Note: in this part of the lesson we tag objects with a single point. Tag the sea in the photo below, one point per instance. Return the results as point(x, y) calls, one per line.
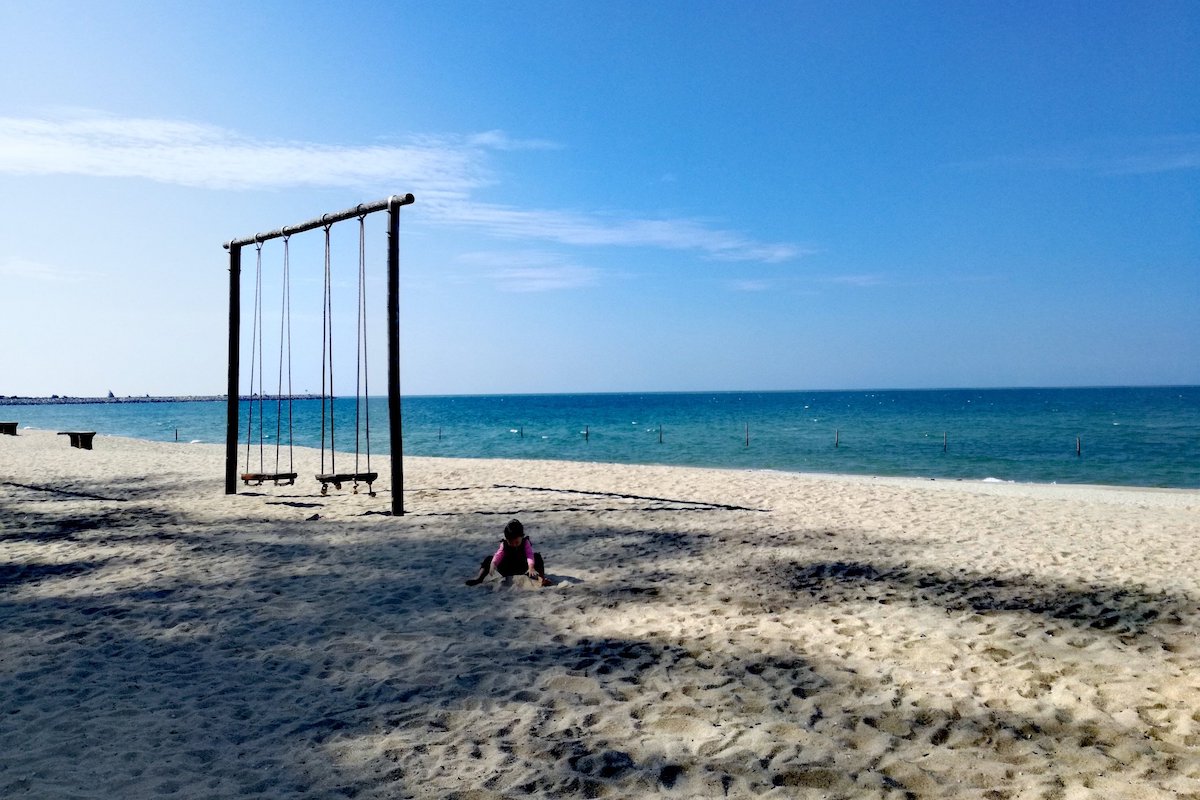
point(1130, 436)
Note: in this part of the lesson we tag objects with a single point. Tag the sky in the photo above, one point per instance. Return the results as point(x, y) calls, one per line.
point(610, 197)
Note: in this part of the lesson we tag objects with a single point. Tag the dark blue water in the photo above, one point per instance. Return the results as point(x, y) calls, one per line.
point(1126, 436)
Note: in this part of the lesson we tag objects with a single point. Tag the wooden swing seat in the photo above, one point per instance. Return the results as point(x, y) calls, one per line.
point(337, 479)
point(278, 478)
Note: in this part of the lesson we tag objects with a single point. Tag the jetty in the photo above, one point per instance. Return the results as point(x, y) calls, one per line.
point(209, 398)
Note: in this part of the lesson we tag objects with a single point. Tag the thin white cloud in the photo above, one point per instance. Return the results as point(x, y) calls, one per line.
point(750, 285)
point(1143, 156)
point(24, 269)
point(860, 281)
point(545, 279)
point(499, 140)
point(1169, 154)
point(205, 156)
point(596, 230)
point(532, 271)
point(446, 172)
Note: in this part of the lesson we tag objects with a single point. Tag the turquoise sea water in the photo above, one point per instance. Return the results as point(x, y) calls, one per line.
point(1127, 436)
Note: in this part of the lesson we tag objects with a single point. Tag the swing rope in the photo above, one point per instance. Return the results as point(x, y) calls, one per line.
point(285, 330)
point(256, 358)
point(258, 382)
point(361, 382)
point(327, 359)
point(362, 388)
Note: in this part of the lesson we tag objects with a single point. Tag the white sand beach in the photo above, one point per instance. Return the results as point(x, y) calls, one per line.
point(713, 633)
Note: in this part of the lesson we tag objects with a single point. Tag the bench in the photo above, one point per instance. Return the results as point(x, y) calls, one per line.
point(278, 478)
point(80, 439)
point(8, 429)
point(337, 479)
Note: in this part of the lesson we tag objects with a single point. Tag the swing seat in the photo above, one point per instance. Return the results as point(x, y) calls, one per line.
point(278, 478)
point(337, 479)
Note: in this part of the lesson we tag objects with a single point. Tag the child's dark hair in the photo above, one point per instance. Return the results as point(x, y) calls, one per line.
point(513, 529)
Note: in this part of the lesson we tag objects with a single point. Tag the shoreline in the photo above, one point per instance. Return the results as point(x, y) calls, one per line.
point(850, 477)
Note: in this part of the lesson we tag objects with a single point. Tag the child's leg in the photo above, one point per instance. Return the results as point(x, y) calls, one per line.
point(485, 567)
point(540, 567)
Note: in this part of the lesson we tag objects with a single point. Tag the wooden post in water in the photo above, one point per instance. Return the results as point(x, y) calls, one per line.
point(1078, 447)
point(660, 433)
point(945, 440)
point(747, 434)
point(837, 435)
point(586, 432)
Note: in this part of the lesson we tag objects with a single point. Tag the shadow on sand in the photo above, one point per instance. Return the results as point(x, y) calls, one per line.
point(250, 660)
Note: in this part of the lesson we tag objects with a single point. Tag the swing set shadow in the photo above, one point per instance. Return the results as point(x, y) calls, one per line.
point(668, 504)
point(332, 476)
point(699, 505)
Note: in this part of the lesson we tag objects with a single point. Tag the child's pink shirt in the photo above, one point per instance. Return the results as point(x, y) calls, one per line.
point(496, 559)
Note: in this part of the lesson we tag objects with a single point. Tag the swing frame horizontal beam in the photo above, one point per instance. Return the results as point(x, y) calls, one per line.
point(395, 427)
point(360, 210)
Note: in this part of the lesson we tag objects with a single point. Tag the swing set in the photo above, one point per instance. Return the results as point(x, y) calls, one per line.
point(287, 476)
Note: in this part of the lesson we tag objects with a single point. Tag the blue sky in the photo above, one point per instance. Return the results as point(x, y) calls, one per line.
point(620, 196)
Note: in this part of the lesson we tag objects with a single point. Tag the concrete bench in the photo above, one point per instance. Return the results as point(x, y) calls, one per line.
point(8, 429)
point(80, 439)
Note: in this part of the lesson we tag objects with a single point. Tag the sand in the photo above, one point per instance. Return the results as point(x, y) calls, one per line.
point(712, 634)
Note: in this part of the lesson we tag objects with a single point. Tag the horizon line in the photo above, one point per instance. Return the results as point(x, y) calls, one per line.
point(66, 399)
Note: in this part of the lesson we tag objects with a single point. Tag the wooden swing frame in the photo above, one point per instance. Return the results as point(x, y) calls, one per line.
point(393, 205)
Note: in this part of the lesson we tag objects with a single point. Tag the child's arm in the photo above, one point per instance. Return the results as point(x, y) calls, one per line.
point(529, 556)
point(498, 557)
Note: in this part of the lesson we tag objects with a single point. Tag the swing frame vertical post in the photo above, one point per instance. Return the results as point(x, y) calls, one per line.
point(395, 426)
point(231, 398)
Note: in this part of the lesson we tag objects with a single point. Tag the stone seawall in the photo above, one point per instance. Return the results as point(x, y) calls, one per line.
point(212, 398)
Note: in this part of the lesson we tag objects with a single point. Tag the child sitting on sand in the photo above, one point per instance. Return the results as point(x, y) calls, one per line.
point(514, 557)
